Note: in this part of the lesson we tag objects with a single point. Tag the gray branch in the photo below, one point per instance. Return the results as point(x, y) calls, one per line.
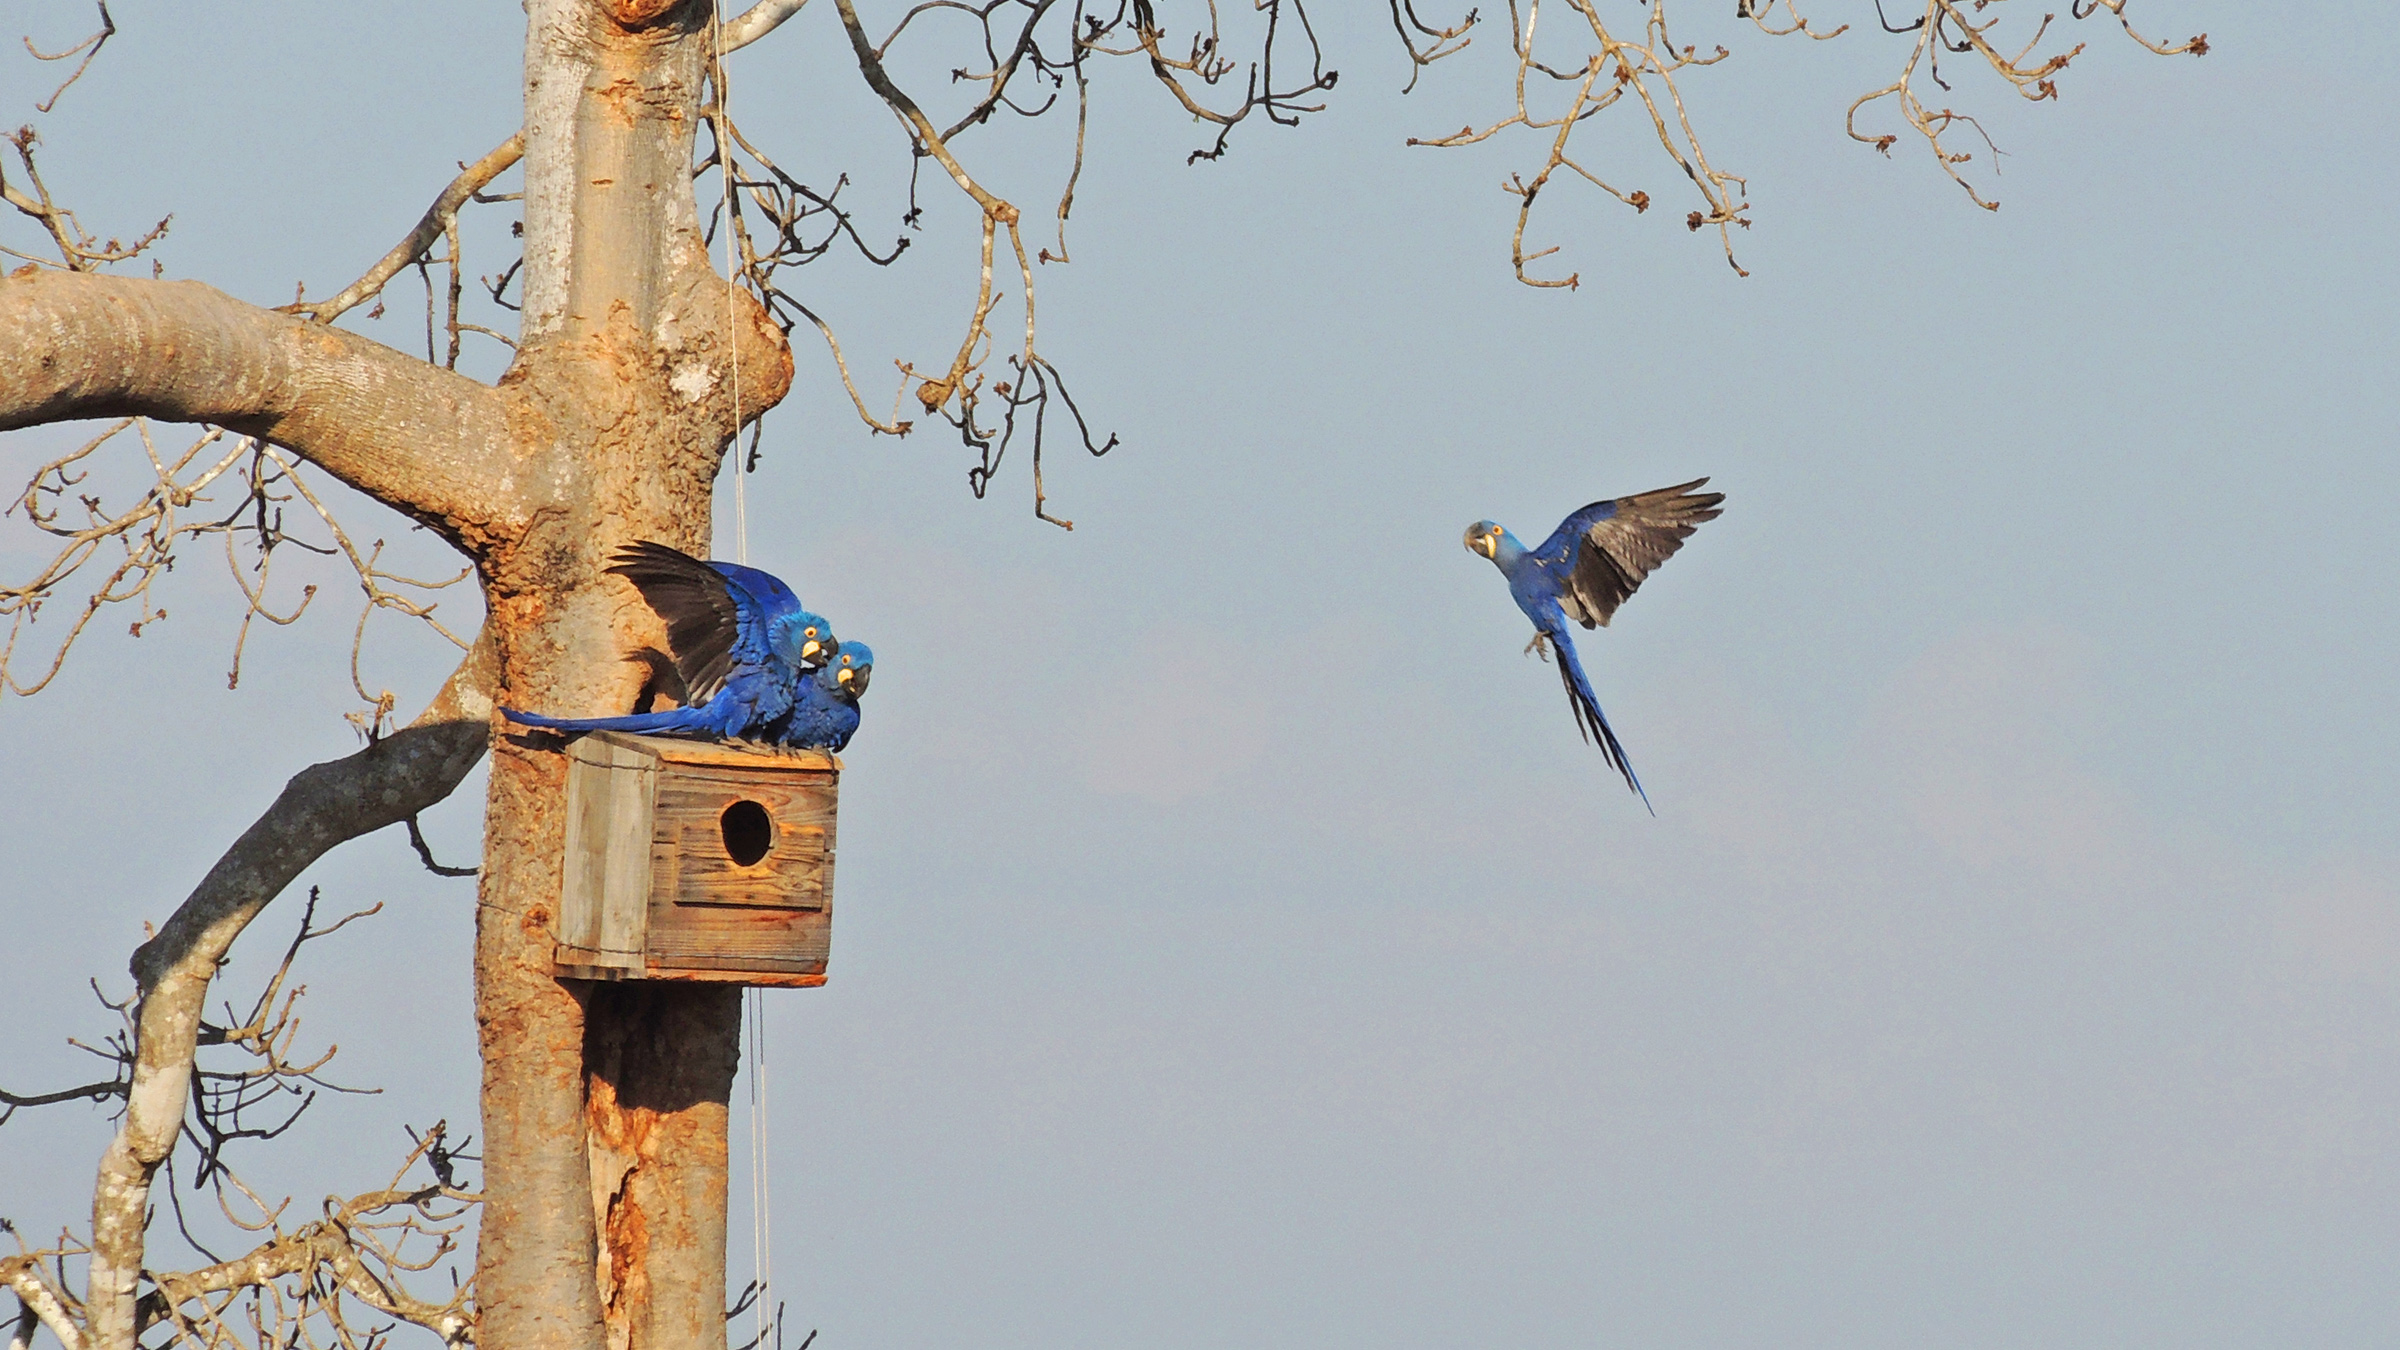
point(322, 806)
point(472, 178)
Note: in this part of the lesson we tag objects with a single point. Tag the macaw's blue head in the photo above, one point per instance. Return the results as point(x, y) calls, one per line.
point(851, 666)
point(1484, 537)
point(806, 640)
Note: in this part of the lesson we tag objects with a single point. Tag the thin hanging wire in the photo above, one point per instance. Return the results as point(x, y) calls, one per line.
point(754, 1006)
point(762, 1231)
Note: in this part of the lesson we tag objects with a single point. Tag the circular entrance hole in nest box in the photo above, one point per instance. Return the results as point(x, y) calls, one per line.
point(749, 832)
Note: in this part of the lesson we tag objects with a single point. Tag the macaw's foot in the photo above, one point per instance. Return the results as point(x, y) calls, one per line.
point(1540, 646)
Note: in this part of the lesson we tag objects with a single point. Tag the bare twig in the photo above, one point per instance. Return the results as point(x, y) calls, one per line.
point(10, 1102)
point(1949, 25)
point(78, 250)
point(1601, 66)
point(90, 47)
point(438, 219)
point(145, 534)
point(138, 543)
point(294, 1287)
point(416, 840)
point(1425, 43)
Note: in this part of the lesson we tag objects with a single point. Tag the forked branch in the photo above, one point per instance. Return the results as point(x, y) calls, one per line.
point(1950, 26)
point(382, 785)
point(78, 250)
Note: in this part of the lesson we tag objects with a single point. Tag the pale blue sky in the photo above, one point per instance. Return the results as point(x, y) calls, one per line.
point(1234, 943)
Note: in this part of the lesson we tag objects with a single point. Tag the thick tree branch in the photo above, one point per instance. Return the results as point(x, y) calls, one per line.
point(322, 806)
point(429, 443)
point(327, 804)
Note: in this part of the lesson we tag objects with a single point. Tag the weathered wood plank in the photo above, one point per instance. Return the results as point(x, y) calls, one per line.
point(761, 979)
point(709, 935)
point(736, 755)
point(625, 902)
point(689, 822)
point(653, 889)
point(605, 887)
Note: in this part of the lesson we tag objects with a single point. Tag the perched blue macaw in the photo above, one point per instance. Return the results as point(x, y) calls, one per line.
point(740, 647)
point(1583, 571)
point(825, 715)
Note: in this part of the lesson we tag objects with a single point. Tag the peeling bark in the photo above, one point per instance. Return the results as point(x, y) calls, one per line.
point(661, 1062)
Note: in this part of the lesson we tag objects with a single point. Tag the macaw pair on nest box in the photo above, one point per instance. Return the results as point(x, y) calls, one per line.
point(695, 860)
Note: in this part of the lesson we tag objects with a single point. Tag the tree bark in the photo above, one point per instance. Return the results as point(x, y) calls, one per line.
point(661, 1059)
point(604, 1109)
point(429, 443)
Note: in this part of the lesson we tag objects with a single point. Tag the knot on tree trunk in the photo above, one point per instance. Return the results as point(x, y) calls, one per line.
point(632, 14)
point(725, 357)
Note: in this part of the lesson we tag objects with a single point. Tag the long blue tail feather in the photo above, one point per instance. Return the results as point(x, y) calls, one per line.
point(674, 721)
point(1588, 718)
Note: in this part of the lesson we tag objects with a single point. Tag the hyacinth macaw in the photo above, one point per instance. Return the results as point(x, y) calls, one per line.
point(1583, 571)
point(739, 643)
point(825, 715)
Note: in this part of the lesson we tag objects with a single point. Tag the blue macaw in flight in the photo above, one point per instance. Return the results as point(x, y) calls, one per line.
point(1587, 567)
point(825, 714)
point(740, 647)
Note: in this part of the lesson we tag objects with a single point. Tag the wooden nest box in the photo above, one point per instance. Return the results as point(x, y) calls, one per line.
point(688, 860)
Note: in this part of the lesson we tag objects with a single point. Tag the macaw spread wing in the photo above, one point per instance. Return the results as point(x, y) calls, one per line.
point(1624, 541)
point(704, 619)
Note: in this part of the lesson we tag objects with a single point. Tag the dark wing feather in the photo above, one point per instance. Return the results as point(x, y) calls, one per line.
point(1626, 542)
point(702, 616)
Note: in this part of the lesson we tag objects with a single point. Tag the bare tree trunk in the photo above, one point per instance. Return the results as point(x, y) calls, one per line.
point(604, 1108)
point(535, 1249)
point(604, 1182)
point(661, 1059)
